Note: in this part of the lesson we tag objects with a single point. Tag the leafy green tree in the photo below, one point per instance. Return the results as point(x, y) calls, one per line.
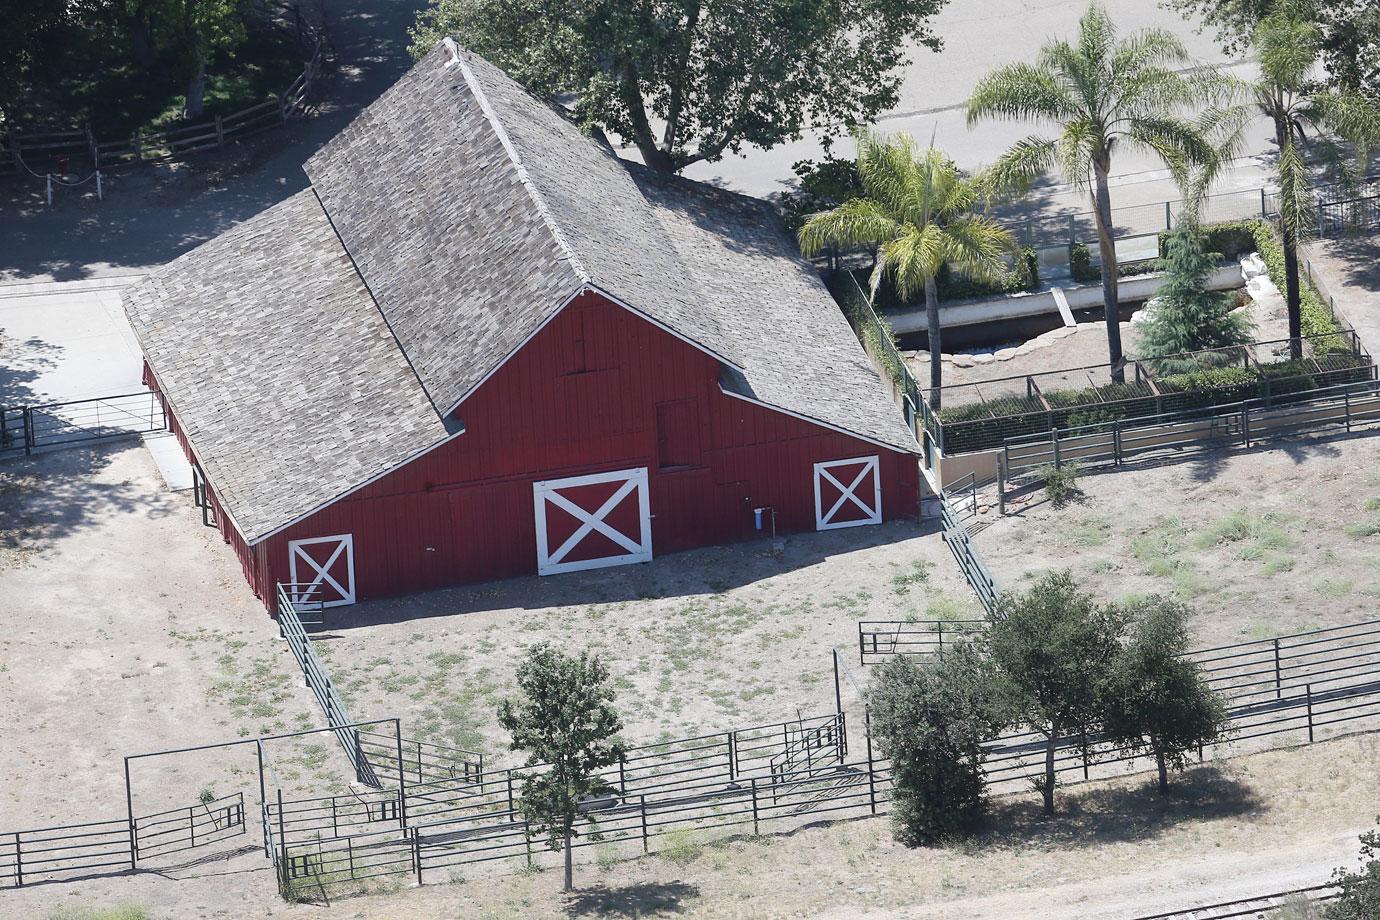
point(1287, 49)
point(1185, 315)
point(30, 29)
point(1360, 895)
point(920, 213)
point(1053, 647)
point(931, 719)
point(566, 722)
point(1106, 94)
point(688, 80)
point(1156, 700)
point(820, 186)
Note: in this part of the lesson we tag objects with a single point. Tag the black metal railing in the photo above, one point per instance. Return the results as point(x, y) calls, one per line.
point(25, 429)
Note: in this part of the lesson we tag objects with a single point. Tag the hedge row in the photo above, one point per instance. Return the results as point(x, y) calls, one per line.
point(985, 426)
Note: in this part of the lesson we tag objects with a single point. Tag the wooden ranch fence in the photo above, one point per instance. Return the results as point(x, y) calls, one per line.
point(26, 149)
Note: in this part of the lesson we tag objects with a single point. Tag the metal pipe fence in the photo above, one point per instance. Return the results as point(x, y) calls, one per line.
point(319, 682)
point(1349, 406)
point(25, 429)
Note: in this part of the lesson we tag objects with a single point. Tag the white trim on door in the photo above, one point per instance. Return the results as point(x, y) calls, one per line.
point(638, 549)
point(321, 573)
point(848, 494)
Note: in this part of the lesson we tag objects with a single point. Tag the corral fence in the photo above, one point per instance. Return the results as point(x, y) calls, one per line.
point(83, 146)
point(99, 847)
point(970, 562)
point(1022, 459)
point(25, 429)
point(758, 776)
point(982, 415)
point(878, 640)
point(296, 602)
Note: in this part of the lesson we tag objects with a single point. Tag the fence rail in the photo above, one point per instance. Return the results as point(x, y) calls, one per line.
point(153, 146)
point(25, 429)
point(970, 562)
point(1244, 423)
point(319, 682)
point(182, 829)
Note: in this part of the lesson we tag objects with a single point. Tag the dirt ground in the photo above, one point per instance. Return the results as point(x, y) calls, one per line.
point(697, 642)
point(1273, 540)
point(1236, 828)
point(128, 628)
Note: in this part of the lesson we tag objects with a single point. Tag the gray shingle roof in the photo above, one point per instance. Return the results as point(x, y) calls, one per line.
point(279, 367)
point(469, 213)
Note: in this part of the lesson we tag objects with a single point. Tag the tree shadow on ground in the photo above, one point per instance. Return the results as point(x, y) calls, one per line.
point(641, 899)
point(24, 361)
point(1358, 254)
point(1123, 813)
point(50, 496)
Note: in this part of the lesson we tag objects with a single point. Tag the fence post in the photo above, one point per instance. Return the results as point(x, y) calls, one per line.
point(1346, 406)
point(622, 774)
point(417, 853)
point(732, 757)
point(1054, 437)
point(838, 691)
point(1264, 208)
point(1001, 482)
point(939, 628)
point(1278, 686)
point(871, 774)
point(1085, 753)
point(28, 431)
point(191, 822)
point(19, 862)
point(510, 791)
point(642, 805)
point(1308, 697)
point(1245, 425)
point(1116, 442)
point(220, 132)
point(402, 782)
point(129, 813)
point(755, 831)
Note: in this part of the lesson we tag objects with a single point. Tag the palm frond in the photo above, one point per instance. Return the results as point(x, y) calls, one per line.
point(1020, 91)
point(975, 246)
point(1022, 164)
point(1295, 190)
point(860, 221)
point(1286, 49)
point(913, 258)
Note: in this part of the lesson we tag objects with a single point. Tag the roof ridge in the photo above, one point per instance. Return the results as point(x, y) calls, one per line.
point(457, 58)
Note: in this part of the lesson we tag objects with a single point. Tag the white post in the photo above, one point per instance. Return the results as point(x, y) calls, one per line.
point(49, 177)
point(100, 195)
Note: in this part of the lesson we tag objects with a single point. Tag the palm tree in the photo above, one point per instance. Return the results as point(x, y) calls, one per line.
point(1106, 94)
point(1288, 48)
point(918, 211)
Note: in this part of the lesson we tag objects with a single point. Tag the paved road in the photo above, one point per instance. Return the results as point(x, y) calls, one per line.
point(149, 216)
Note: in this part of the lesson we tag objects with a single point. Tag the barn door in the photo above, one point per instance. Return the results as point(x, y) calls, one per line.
point(848, 493)
point(326, 563)
point(589, 522)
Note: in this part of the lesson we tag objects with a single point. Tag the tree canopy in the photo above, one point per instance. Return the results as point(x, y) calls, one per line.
point(566, 722)
point(1184, 315)
point(689, 80)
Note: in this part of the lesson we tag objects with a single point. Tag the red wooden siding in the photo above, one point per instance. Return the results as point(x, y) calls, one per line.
point(598, 389)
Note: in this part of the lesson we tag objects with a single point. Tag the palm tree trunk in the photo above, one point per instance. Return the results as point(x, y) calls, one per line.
point(1106, 247)
point(936, 345)
point(1287, 223)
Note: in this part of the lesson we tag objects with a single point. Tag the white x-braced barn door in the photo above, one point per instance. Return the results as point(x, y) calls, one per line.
point(328, 565)
point(589, 522)
point(848, 493)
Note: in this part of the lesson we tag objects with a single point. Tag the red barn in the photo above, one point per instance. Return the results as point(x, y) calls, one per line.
point(482, 345)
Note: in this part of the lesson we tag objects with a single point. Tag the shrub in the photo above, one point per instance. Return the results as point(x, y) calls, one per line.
point(1061, 481)
point(820, 186)
point(1185, 315)
point(1080, 264)
point(1360, 895)
point(931, 718)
